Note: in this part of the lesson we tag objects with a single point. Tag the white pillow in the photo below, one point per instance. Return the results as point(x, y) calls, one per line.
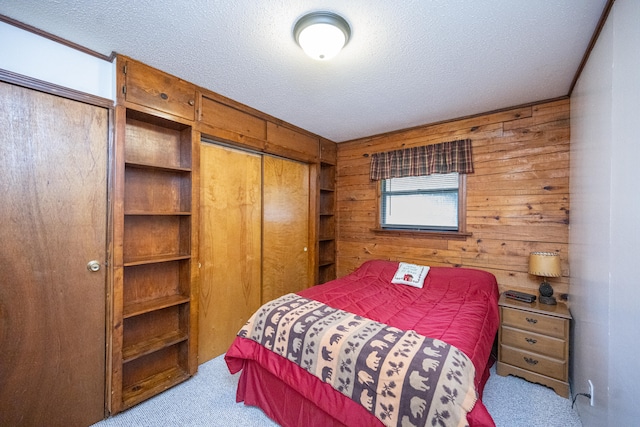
point(410, 274)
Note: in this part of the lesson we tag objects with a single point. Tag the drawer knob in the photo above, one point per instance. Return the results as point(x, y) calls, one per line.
point(192, 102)
point(531, 340)
point(164, 96)
point(530, 361)
point(530, 320)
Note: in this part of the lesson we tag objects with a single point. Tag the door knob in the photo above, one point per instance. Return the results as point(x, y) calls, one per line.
point(93, 266)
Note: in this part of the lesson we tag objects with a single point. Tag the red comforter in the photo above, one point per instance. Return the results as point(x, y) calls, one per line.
point(456, 305)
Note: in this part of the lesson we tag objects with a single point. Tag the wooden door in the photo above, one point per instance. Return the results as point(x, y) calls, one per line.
point(230, 218)
point(53, 162)
point(285, 247)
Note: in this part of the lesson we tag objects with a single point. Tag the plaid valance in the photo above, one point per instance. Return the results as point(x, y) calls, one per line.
point(446, 157)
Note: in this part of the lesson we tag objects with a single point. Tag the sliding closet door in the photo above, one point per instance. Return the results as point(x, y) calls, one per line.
point(53, 182)
point(230, 238)
point(285, 243)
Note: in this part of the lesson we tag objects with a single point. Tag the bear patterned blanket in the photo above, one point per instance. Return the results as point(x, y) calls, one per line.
point(402, 378)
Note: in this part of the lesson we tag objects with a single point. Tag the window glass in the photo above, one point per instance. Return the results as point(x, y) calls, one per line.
point(421, 202)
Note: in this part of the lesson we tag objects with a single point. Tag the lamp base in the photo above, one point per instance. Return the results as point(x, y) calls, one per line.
point(546, 294)
point(547, 300)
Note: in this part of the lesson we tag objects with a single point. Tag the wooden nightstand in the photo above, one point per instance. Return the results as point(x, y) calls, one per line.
point(534, 343)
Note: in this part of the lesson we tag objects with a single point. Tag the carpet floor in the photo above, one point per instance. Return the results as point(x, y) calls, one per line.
point(208, 400)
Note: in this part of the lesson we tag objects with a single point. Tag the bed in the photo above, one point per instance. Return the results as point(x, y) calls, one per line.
point(457, 306)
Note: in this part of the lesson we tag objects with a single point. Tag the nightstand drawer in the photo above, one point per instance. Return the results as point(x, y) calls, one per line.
point(547, 325)
point(536, 343)
point(533, 362)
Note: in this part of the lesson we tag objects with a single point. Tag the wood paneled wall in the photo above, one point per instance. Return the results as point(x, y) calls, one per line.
point(517, 199)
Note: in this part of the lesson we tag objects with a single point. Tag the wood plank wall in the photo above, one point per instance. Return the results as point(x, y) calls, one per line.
point(517, 199)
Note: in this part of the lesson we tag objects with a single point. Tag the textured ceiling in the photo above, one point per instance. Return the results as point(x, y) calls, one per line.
point(408, 62)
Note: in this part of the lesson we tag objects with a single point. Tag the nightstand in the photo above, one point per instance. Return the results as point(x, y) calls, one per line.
point(533, 343)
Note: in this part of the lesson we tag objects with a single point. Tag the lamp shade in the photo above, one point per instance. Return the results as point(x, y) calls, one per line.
point(321, 34)
point(544, 264)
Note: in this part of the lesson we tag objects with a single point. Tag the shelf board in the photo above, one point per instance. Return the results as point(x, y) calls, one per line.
point(153, 385)
point(328, 189)
point(143, 307)
point(142, 165)
point(326, 262)
point(326, 238)
point(155, 259)
point(157, 213)
point(143, 348)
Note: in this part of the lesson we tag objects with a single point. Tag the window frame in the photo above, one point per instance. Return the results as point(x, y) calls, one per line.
point(461, 233)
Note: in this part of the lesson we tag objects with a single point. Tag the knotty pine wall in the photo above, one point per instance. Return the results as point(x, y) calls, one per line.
point(517, 199)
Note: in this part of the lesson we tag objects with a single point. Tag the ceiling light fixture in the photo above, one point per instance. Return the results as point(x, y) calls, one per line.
point(321, 34)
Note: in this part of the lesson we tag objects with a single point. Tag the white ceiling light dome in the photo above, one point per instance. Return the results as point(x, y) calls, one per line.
point(322, 34)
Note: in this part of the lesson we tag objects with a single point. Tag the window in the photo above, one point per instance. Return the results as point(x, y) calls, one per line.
point(425, 203)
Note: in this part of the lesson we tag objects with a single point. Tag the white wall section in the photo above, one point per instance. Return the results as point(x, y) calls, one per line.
point(605, 227)
point(31, 55)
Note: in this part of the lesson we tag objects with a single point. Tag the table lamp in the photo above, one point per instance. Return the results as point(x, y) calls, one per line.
point(545, 264)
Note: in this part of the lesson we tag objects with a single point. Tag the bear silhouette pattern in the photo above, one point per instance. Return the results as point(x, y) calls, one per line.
point(401, 377)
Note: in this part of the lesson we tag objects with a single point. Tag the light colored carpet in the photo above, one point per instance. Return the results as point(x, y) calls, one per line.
point(208, 400)
point(514, 402)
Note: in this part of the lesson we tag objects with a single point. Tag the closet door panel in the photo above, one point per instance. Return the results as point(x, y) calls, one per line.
point(285, 228)
point(53, 218)
point(230, 238)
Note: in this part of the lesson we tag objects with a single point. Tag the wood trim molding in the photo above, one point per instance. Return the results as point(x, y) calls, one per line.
point(445, 235)
point(462, 206)
point(592, 43)
point(56, 39)
point(53, 89)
